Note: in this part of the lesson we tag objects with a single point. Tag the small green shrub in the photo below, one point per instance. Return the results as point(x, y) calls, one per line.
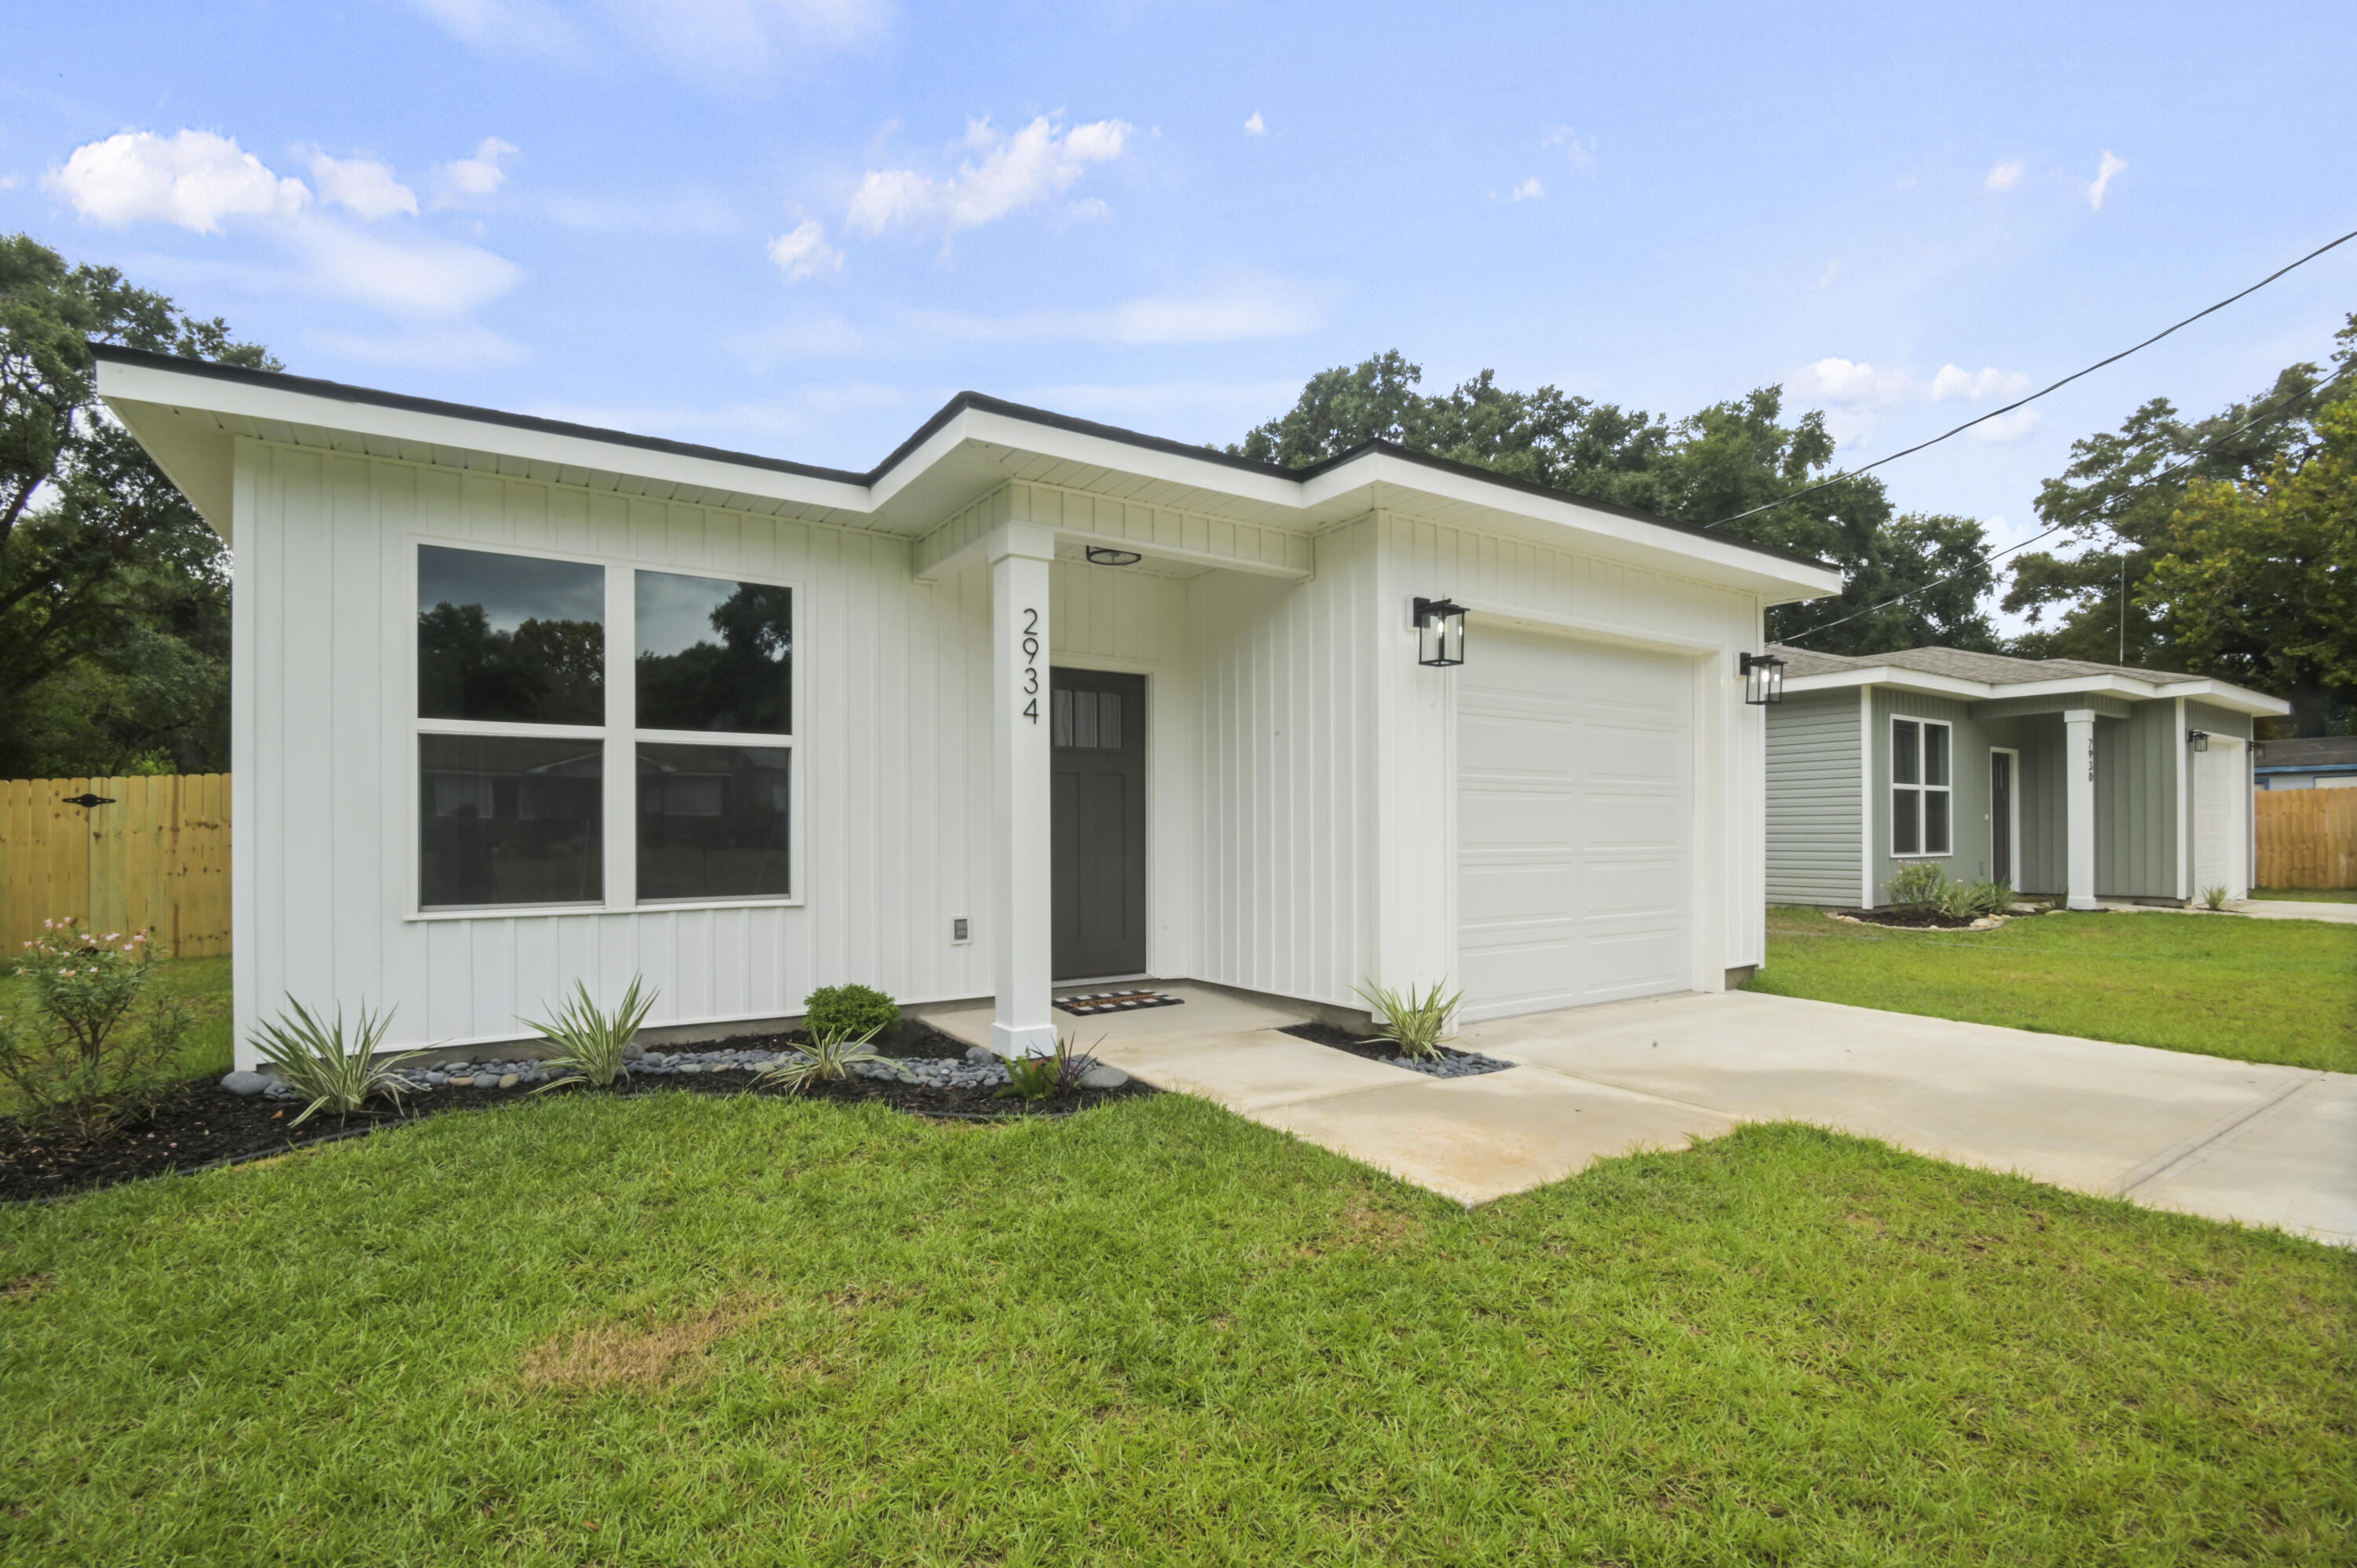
point(1974, 900)
point(99, 1060)
point(828, 1058)
point(314, 1060)
point(1411, 1020)
point(848, 1010)
point(2214, 898)
point(1040, 1077)
point(592, 1045)
point(1919, 886)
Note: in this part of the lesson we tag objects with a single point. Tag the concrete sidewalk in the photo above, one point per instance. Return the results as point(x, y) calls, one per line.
point(2268, 1146)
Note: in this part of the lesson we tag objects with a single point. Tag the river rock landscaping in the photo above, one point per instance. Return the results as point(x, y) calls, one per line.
point(1450, 1063)
point(245, 1115)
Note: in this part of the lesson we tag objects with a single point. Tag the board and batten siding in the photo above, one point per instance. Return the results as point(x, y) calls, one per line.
point(1969, 842)
point(1561, 592)
point(2137, 821)
point(1814, 783)
point(891, 771)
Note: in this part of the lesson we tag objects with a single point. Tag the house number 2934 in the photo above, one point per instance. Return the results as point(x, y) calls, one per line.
point(1031, 665)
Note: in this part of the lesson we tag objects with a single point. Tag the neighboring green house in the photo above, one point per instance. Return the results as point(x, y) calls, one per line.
point(2056, 775)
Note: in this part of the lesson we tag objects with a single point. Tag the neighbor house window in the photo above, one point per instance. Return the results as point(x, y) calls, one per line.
point(520, 770)
point(1921, 802)
point(714, 658)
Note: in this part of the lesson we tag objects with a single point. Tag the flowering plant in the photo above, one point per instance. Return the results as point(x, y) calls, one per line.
point(90, 1069)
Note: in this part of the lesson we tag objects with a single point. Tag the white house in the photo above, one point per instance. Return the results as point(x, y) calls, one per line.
point(517, 703)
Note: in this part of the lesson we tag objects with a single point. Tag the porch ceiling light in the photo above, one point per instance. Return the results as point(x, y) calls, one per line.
point(1439, 633)
point(1106, 556)
point(2200, 739)
point(1763, 678)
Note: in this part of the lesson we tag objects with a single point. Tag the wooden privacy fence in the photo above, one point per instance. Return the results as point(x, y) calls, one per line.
point(155, 857)
point(2307, 838)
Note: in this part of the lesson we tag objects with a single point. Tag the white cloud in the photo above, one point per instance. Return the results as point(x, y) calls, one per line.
point(194, 179)
point(1088, 210)
point(1580, 151)
point(1245, 311)
point(2006, 428)
point(11, 181)
point(2005, 176)
point(1255, 127)
point(465, 347)
point(1859, 386)
point(1008, 174)
point(1529, 190)
point(467, 181)
point(722, 42)
point(512, 26)
point(804, 337)
point(363, 185)
point(416, 275)
point(2103, 181)
point(803, 251)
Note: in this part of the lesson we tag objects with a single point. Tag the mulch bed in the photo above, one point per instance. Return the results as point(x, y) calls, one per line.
point(1908, 919)
point(199, 1123)
point(1376, 1051)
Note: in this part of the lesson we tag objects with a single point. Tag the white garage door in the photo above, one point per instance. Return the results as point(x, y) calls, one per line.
point(1575, 810)
point(2221, 795)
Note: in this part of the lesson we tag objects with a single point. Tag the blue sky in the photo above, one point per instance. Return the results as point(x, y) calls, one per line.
point(798, 226)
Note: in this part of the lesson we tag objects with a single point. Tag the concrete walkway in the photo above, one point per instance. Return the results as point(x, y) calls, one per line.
point(2294, 909)
point(2268, 1146)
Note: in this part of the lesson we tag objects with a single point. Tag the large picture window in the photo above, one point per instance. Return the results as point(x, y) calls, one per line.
point(525, 767)
point(1922, 815)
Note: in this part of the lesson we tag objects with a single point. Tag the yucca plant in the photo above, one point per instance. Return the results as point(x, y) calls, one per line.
point(1411, 1020)
point(828, 1058)
point(2214, 898)
point(591, 1043)
point(315, 1059)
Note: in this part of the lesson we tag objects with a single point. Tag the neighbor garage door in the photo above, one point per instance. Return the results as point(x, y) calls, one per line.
point(1575, 811)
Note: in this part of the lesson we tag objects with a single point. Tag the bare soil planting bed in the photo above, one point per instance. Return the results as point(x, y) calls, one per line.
point(199, 1123)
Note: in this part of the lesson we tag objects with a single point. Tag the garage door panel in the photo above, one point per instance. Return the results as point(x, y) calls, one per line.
point(1487, 893)
point(1574, 813)
point(1515, 820)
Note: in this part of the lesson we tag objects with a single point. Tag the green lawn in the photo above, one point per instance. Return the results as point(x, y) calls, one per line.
point(2265, 991)
point(691, 1330)
point(2308, 894)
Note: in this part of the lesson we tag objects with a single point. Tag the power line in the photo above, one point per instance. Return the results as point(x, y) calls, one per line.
point(2110, 508)
point(2033, 397)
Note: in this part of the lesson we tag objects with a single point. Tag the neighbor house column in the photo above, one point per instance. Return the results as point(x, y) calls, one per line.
point(2079, 815)
point(1022, 914)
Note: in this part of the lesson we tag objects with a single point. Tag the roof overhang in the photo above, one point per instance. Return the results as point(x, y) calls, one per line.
point(189, 414)
point(2218, 694)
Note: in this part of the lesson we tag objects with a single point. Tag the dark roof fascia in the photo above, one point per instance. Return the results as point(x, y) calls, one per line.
point(343, 392)
point(2305, 767)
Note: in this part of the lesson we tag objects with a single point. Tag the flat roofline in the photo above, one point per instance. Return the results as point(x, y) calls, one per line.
point(342, 391)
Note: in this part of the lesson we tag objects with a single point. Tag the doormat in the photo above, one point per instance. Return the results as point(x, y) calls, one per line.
point(1115, 1002)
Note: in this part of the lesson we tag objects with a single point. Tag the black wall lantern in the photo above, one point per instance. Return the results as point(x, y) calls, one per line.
point(2199, 738)
point(1105, 555)
point(1763, 678)
point(1439, 633)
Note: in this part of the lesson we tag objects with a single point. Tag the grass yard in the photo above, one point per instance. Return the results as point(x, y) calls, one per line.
point(2308, 894)
point(696, 1330)
point(2262, 991)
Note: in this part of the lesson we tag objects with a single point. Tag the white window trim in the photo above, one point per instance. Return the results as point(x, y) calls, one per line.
point(1949, 789)
point(618, 859)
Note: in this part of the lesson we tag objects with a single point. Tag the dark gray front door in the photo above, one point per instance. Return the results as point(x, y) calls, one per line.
point(2001, 816)
point(1098, 732)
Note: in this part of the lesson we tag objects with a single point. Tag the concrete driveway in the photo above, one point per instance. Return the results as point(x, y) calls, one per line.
point(2268, 1146)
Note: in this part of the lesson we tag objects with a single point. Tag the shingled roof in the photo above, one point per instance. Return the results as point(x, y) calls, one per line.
point(1992, 668)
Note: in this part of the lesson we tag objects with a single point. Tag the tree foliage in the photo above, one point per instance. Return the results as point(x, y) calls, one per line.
point(1715, 463)
point(114, 593)
point(2118, 504)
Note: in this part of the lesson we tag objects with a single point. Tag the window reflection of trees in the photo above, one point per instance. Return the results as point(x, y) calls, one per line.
point(544, 672)
point(741, 683)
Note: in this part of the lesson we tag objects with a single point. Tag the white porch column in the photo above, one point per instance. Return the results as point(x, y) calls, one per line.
point(2079, 794)
point(1022, 914)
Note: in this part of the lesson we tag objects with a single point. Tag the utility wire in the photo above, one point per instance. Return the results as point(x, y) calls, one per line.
point(2104, 516)
point(2033, 397)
